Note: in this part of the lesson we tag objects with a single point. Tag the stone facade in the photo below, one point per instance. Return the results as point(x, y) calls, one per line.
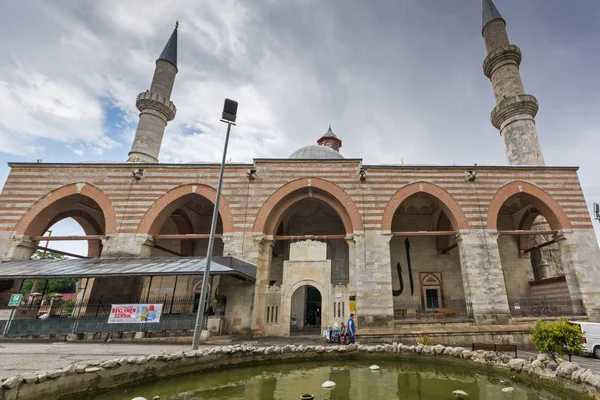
point(371, 214)
point(454, 234)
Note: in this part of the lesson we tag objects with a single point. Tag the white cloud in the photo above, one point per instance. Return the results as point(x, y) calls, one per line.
point(397, 80)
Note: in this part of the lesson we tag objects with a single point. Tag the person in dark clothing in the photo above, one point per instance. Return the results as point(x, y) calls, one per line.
point(351, 329)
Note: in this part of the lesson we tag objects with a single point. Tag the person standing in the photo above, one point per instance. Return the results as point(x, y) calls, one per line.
point(351, 329)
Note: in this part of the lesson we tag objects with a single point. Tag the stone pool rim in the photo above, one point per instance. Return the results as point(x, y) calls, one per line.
point(78, 378)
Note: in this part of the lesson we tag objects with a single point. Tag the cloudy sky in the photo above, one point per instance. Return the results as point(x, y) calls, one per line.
point(396, 79)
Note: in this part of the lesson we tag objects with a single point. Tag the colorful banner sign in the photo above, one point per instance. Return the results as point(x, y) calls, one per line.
point(134, 313)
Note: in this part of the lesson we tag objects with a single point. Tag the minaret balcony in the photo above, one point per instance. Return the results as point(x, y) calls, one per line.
point(522, 104)
point(510, 54)
point(148, 101)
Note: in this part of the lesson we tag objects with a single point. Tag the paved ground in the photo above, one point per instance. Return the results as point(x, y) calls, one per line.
point(20, 357)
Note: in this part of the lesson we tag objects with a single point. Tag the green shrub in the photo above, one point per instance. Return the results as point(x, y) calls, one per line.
point(425, 341)
point(557, 338)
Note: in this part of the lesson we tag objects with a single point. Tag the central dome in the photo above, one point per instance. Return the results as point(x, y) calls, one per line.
point(316, 152)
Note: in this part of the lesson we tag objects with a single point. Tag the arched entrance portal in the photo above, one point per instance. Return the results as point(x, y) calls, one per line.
point(307, 227)
point(78, 209)
point(529, 221)
point(306, 311)
point(189, 214)
point(311, 216)
point(70, 211)
point(425, 264)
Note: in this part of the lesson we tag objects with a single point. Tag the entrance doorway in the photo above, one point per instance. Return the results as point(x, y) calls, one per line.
point(432, 298)
point(306, 310)
point(431, 290)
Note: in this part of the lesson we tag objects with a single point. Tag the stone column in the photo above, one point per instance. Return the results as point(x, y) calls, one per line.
point(374, 303)
point(17, 248)
point(251, 246)
point(127, 245)
point(232, 244)
point(262, 283)
point(581, 263)
point(351, 264)
point(483, 277)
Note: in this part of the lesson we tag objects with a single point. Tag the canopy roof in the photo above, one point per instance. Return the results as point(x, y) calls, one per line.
point(105, 267)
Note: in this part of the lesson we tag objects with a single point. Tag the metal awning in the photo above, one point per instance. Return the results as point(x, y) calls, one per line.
point(106, 267)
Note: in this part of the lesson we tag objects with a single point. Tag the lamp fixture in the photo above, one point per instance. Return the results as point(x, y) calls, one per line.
point(471, 176)
point(138, 175)
point(362, 173)
point(251, 173)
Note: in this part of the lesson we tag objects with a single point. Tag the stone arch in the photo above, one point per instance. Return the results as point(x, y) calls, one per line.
point(287, 302)
point(305, 282)
point(526, 224)
point(542, 201)
point(42, 213)
point(444, 199)
point(272, 210)
point(89, 225)
point(160, 210)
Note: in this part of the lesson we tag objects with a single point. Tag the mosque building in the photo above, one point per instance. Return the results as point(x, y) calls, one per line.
point(304, 241)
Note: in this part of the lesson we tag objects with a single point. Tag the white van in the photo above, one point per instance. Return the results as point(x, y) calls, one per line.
point(591, 333)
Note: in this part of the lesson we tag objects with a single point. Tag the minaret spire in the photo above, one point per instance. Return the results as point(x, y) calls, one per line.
point(515, 111)
point(490, 13)
point(169, 53)
point(155, 105)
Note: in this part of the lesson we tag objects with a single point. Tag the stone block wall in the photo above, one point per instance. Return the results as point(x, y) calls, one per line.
point(516, 267)
point(551, 289)
point(425, 257)
point(128, 204)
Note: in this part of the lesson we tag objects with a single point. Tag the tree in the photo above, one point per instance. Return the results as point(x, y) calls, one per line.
point(557, 338)
point(62, 285)
point(39, 255)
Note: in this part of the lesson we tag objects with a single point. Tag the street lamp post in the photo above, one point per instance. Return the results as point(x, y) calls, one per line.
point(228, 116)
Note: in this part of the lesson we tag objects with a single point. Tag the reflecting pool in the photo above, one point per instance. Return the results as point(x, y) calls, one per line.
point(397, 379)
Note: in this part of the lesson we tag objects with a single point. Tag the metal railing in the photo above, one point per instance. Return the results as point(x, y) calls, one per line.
point(545, 307)
point(449, 309)
point(91, 316)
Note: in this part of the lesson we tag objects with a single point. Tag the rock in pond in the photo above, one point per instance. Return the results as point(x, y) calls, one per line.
point(328, 385)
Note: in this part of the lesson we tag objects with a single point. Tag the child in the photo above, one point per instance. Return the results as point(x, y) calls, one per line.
point(342, 333)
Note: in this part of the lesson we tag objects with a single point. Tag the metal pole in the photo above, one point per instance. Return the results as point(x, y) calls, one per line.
point(173, 297)
point(211, 240)
point(12, 314)
point(33, 286)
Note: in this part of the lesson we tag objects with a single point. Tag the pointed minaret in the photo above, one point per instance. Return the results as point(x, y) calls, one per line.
point(515, 111)
point(155, 105)
point(330, 140)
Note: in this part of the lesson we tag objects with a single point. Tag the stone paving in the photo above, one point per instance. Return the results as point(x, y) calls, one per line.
point(21, 357)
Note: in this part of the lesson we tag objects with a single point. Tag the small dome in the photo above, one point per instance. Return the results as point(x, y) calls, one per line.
point(316, 152)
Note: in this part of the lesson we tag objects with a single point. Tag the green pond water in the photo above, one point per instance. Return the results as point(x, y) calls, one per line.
point(397, 379)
